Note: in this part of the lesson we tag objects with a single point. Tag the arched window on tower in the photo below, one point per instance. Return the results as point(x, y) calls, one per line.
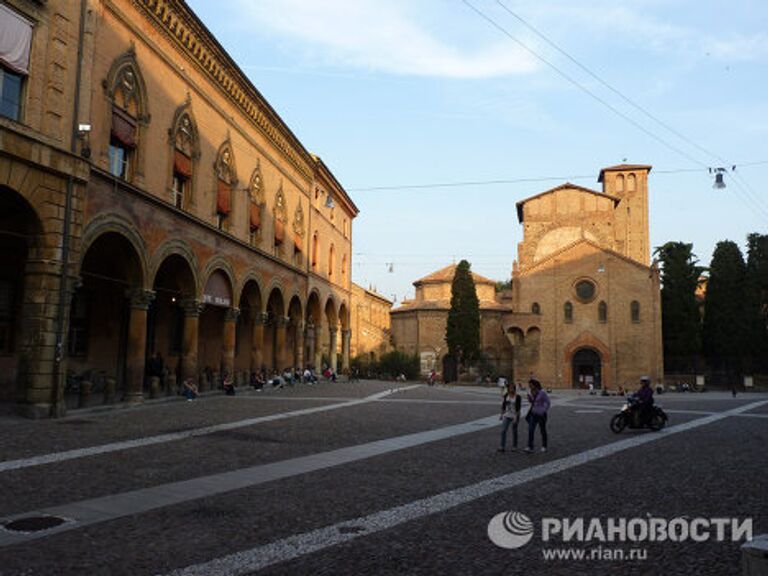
point(568, 312)
point(631, 183)
point(331, 261)
point(634, 309)
point(602, 312)
point(620, 183)
point(535, 308)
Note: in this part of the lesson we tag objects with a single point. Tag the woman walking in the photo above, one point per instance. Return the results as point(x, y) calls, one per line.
point(510, 415)
point(537, 415)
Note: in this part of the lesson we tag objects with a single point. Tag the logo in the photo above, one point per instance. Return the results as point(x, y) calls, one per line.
point(510, 530)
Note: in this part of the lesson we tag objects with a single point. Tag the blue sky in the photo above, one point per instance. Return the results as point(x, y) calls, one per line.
point(416, 92)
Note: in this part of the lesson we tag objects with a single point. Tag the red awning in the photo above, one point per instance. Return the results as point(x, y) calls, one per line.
point(182, 164)
point(297, 242)
point(123, 128)
point(223, 195)
point(279, 231)
point(255, 216)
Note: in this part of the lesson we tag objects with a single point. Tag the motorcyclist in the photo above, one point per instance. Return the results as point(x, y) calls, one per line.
point(644, 399)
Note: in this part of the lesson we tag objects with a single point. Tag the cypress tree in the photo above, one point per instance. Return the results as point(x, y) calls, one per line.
point(725, 332)
point(462, 332)
point(681, 320)
point(756, 300)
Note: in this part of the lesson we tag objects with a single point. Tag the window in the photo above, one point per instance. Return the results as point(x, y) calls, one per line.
point(226, 178)
point(15, 44)
point(535, 308)
point(256, 194)
point(331, 261)
point(344, 268)
point(78, 326)
point(585, 290)
point(184, 144)
point(315, 249)
point(280, 217)
point(10, 94)
point(568, 312)
point(602, 312)
point(634, 309)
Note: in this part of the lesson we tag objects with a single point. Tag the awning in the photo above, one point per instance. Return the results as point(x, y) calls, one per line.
point(182, 163)
point(223, 198)
point(255, 216)
point(279, 231)
point(15, 40)
point(123, 128)
point(297, 241)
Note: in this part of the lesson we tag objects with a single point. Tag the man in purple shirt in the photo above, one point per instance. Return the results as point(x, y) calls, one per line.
point(645, 398)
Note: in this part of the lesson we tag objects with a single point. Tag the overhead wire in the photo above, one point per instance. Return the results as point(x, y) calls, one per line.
point(749, 200)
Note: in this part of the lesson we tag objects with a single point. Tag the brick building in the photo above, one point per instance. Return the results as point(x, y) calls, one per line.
point(192, 221)
point(584, 306)
point(371, 334)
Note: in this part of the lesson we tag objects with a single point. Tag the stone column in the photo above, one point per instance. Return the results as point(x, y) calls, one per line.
point(137, 342)
point(280, 352)
point(192, 310)
point(298, 348)
point(228, 352)
point(319, 347)
point(332, 349)
point(346, 336)
point(309, 339)
point(257, 341)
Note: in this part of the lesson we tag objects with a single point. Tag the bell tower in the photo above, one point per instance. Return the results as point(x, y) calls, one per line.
point(629, 183)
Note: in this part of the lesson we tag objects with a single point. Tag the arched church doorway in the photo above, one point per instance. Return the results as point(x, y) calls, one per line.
point(586, 368)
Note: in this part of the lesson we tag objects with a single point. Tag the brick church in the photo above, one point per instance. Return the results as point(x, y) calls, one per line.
point(584, 305)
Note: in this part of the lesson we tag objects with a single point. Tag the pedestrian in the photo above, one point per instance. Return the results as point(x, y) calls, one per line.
point(502, 383)
point(537, 414)
point(189, 390)
point(228, 385)
point(510, 415)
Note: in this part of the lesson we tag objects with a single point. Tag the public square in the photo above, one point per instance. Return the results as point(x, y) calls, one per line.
point(369, 478)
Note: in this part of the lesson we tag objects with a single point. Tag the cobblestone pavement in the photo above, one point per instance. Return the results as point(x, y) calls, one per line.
point(319, 522)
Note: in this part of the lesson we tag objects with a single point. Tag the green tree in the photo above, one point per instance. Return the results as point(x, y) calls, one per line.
point(756, 300)
point(680, 318)
point(725, 332)
point(462, 332)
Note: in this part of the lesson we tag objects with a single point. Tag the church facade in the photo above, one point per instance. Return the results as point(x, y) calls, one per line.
point(584, 305)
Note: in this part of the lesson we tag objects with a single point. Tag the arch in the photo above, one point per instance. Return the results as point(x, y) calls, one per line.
point(128, 116)
point(516, 336)
point(619, 185)
point(111, 223)
point(634, 311)
point(587, 340)
point(251, 281)
point(183, 133)
point(125, 82)
point(586, 368)
point(331, 311)
point(21, 237)
point(533, 334)
point(344, 316)
point(631, 182)
point(179, 248)
point(314, 309)
point(217, 263)
point(535, 308)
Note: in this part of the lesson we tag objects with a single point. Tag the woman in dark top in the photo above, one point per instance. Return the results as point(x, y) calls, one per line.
point(510, 415)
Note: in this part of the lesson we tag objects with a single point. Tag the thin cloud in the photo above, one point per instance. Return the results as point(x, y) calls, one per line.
point(390, 37)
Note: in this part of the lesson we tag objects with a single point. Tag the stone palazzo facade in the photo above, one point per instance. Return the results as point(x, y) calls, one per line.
point(152, 201)
point(584, 305)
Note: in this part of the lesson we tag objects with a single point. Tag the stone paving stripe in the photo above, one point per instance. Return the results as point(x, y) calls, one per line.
point(87, 512)
point(183, 435)
point(293, 547)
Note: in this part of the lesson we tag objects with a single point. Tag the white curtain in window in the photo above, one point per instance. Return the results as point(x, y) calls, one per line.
point(15, 40)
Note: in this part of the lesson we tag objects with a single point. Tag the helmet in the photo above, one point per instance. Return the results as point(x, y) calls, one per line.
point(645, 379)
